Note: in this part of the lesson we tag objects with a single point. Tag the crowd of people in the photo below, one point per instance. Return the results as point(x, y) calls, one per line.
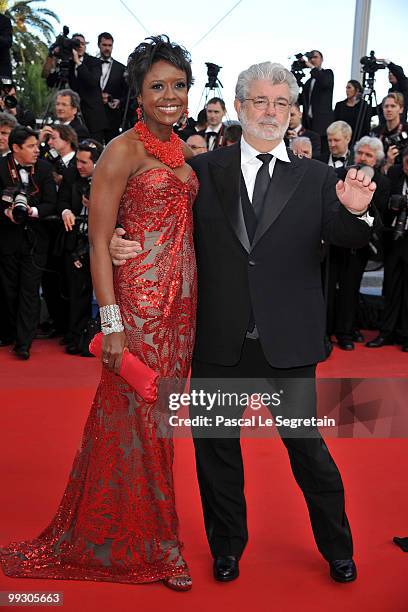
point(46, 251)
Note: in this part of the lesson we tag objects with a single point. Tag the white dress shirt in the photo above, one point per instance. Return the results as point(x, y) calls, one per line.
point(211, 140)
point(106, 70)
point(250, 164)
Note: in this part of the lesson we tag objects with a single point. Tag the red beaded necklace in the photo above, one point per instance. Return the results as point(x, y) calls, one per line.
point(169, 152)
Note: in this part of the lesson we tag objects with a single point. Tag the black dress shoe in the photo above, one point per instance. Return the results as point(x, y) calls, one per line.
point(345, 345)
point(379, 341)
point(404, 347)
point(22, 353)
point(357, 336)
point(226, 568)
point(343, 570)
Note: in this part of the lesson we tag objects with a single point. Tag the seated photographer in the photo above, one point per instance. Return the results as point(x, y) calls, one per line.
point(197, 144)
point(301, 146)
point(9, 104)
point(394, 134)
point(353, 109)
point(28, 195)
point(84, 74)
point(7, 123)
point(73, 200)
point(338, 138)
point(296, 129)
point(67, 108)
point(346, 267)
point(394, 326)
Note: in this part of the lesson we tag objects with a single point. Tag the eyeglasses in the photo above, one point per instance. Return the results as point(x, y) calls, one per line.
point(280, 105)
point(196, 147)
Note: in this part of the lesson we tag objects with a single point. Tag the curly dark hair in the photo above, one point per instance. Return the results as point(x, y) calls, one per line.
point(155, 49)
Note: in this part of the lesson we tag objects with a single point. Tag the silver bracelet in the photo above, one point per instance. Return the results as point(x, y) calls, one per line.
point(111, 320)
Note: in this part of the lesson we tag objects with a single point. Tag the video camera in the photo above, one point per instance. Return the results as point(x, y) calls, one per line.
point(299, 65)
point(6, 85)
point(399, 204)
point(370, 63)
point(212, 74)
point(62, 49)
point(19, 199)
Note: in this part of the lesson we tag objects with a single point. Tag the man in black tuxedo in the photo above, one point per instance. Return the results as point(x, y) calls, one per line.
point(214, 132)
point(84, 77)
point(338, 139)
point(6, 41)
point(67, 107)
point(317, 97)
point(113, 86)
point(73, 201)
point(24, 242)
point(260, 311)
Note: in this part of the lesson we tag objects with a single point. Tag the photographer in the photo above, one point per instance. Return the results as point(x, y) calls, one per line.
point(399, 83)
point(317, 96)
point(73, 201)
point(10, 104)
point(113, 86)
point(83, 73)
point(395, 287)
point(28, 195)
point(296, 130)
point(7, 123)
point(394, 134)
point(59, 144)
point(67, 107)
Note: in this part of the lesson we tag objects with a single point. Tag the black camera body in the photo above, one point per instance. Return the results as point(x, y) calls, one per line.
point(65, 46)
point(6, 85)
point(299, 65)
point(19, 199)
point(399, 140)
point(212, 75)
point(84, 186)
point(399, 204)
point(370, 63)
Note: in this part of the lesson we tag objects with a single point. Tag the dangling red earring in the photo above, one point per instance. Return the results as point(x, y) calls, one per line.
point(186, 113)
point(139, 113)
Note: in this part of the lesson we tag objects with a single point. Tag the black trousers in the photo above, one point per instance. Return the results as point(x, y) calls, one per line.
point(346, 269)
point(21, 278)
point(53, 283)
point(79, 282)
point(220, 468)
point(395, 289)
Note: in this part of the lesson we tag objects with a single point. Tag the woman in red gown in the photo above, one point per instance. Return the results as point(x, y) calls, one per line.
point(117, 520)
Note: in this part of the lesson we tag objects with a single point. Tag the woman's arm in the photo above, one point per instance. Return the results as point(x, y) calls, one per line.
point(111, 175)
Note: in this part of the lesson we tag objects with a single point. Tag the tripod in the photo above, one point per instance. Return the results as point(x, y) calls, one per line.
point(370, 98)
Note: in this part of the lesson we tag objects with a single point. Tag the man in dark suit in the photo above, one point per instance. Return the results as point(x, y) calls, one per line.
point(214, 132)
point(6, 41)
point(260, 310)
point(113, 86)
point(317, 97)
point(67, 107)
point(296, 130)
point(24, 241)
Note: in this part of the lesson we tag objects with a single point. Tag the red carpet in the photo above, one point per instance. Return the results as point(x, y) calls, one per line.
point(44, 404)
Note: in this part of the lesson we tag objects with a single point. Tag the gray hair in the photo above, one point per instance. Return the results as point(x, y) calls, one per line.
point(340, 126)
point(267, 71)
point(374, 143)
point(299, 140)
point(7, 120)
point(75, 99)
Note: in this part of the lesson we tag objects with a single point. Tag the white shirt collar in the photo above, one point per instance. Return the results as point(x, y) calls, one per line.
point(248, 153)
point(214, 129)
point(67, 158)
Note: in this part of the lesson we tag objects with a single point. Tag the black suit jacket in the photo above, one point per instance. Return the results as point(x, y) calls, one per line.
point(12, 235)
point(116, 86)
point(321, 100)
point(70, 196)
point(279, 275)
point(80, 128)
point(87, 85)
point(6, 40)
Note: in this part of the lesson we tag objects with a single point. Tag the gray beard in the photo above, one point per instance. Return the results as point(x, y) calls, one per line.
point(263, 132)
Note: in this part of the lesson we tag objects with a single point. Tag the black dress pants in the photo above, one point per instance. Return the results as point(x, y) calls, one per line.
point(21, 278)
point(79, 282)
point(221, 474)
point(395, 314)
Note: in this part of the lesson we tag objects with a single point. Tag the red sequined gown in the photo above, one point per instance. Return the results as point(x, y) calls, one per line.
point(117, 519)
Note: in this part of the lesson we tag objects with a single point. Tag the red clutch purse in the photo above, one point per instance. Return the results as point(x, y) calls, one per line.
point(139, 376)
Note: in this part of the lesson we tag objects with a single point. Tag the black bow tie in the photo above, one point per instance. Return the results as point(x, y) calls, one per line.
point(210, 134)
point(342, 159)
point(105, 61)
point(26, 168)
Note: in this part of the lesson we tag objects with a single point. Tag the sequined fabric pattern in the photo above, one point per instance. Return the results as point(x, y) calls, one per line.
point(117, 519)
